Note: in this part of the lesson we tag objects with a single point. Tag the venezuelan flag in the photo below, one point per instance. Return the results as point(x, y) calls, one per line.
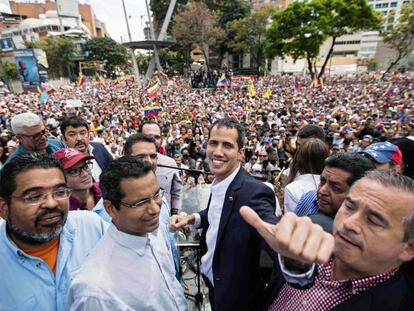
point(223, 82)
point(389, 90)
point(252, 91)
point(151, 111)
point(152, 89)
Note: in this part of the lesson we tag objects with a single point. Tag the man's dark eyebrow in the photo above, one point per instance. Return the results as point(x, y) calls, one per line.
point(380, 217)
point(33, 189)
point(349, 199)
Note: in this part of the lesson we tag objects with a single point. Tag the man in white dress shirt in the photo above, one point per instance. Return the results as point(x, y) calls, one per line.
point(131, 268)
point(230, 247)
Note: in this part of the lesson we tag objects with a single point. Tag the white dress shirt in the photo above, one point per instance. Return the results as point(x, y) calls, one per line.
point(301, 185)
point(128, 272)
point(218, 193)
point(96, 169)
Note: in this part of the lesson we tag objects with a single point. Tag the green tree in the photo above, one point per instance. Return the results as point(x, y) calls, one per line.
point(300, 29)
point(159, 10)
point(172, 59)
point(339, 17)
point(143, 60)
point(109, 51)
point(8, 70)
point(248, 35)
point(33, 44)
point(228, 11)
point(60, 51)
point(400, 37)
point(194, 25)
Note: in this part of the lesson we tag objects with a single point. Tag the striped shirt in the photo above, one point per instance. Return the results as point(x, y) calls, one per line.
point(308, 204)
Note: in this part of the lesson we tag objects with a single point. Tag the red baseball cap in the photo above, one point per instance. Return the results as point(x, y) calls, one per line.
point(69, 157)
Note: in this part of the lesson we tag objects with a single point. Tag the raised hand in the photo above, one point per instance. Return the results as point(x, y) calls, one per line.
point(293, 237)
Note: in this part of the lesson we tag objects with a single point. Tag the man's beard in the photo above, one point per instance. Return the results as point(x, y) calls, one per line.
point(37, 238)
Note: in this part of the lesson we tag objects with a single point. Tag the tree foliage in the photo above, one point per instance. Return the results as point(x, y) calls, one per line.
point(107, 50)
point(195, 25)
point(248, 35)
point(400, 37)
point(300, 29)
point(60, 51)
point(159, 11)
point(8, 69)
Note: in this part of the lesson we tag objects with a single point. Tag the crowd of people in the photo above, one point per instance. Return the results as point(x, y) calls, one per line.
point(327, 170)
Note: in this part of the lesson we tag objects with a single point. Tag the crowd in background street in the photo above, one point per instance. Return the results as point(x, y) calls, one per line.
point(353, 111)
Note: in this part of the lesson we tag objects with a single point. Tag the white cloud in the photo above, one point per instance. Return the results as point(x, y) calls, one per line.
point(4, 6)
point(111, 13)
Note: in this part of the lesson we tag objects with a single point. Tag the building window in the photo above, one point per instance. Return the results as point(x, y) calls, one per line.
point(394, 4)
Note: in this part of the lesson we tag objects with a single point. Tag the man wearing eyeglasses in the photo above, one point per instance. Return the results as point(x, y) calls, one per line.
point(33, 135)
point(168, 178)
point(42, 245)
point(85, 193)
point(132, 267)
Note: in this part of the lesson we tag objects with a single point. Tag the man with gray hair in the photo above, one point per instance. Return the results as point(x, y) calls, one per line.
point(374, 246)
point(33, 135)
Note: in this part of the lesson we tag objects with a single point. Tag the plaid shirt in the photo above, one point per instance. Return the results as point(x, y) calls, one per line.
point(325, 294)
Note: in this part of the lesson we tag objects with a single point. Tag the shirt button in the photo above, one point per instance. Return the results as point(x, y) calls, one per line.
point(38, 265)
point(217, 279)
point(304, 302)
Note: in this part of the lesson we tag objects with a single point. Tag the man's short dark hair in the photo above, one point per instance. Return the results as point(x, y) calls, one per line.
point(149, 122)
point(231, 124)
point(22, 164)
point(136, 138)
point(117, 170)
point(311, 131)
point(73, 121)
point(353, 163)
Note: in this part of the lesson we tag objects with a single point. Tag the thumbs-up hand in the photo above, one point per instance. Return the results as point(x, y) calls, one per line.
point(293, 237)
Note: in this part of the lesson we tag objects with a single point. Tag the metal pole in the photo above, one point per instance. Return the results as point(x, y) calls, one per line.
point(153, 37)
point(134, 60)
point(62, 29)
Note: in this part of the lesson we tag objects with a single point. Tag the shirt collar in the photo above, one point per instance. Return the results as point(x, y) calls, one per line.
point(133, 242)
point(355, 285)
point(90, 147)
point(225, 183)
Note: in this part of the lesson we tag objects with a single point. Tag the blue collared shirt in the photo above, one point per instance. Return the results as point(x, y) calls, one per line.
point(53, 145)
point(27, 283)
point(308, 204)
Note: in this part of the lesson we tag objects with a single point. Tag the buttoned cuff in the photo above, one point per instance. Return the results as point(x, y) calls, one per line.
point(301, 279)
point(197, 221)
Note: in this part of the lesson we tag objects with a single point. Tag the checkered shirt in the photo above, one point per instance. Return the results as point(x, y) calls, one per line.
point(325, 294)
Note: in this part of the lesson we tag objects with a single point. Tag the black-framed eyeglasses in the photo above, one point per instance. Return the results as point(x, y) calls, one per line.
point(37, 136)
point(74, 172)
point(157, 197)
point(38, 198)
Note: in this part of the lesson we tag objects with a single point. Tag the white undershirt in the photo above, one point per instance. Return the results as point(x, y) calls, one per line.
point(218, 193)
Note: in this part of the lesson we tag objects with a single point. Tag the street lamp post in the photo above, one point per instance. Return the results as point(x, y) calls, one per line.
point(134, 60)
